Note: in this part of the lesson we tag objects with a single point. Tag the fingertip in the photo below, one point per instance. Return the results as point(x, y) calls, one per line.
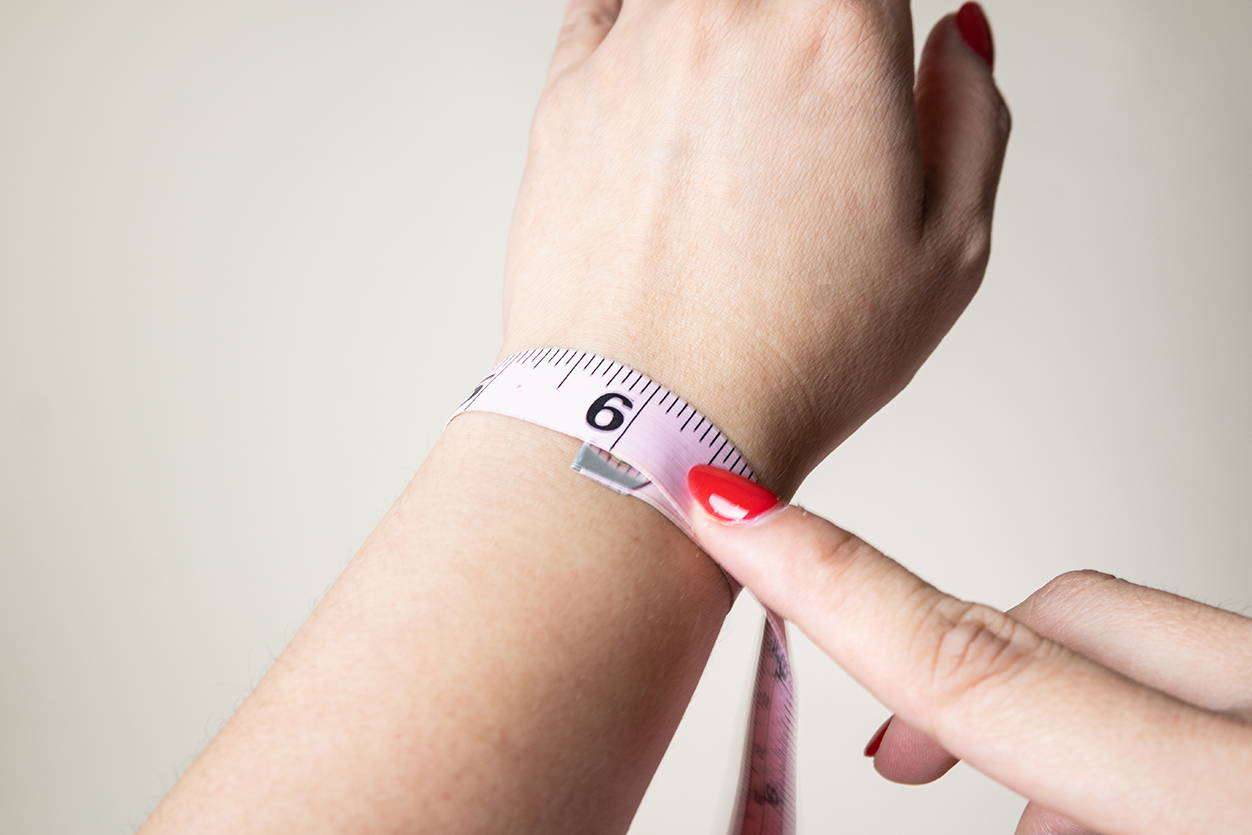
point(727, 496)
point(906, 755)
point(971, 21)
point(875, 742)
point(779, 554)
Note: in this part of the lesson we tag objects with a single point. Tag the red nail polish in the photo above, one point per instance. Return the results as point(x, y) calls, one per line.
point(727, 496)
point(972, 23)
point(872, 748)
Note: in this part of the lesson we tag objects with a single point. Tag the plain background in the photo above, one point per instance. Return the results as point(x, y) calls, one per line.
point(251, 257)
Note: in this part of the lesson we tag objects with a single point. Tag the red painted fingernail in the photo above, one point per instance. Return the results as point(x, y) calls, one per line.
point(872, 748)
point(974, 28)
point(727, 496)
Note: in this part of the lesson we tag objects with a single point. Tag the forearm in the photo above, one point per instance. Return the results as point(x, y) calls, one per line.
point(510, 651)
point(514, 645)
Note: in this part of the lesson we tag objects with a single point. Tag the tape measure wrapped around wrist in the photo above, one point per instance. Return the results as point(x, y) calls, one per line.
point(641, 439)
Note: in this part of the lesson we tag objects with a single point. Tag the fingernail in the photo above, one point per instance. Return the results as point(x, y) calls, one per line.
point(872, 748)
point(727, 496)
point(972, 23)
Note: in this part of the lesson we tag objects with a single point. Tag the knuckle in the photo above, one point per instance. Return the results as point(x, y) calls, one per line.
point(837, 565)
point(1075, 583)
point(974, 250)
point(853, 30)
point(962, 244)
point(583, 18)
point(1066, 592)
point(1004, 116)
point(838, 552)
point(967, 247)
point(855, 21)
point(972, 647)
point(989, 108)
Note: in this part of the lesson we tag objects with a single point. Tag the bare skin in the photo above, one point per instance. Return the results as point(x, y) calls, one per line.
point(1113, 707)
point(504, 671)
point(732, 198)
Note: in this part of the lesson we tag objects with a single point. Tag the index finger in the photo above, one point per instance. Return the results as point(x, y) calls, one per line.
point(1050, 724)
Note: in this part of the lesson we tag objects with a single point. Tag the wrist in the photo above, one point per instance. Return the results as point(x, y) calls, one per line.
point(752, 400)
point(520, 473)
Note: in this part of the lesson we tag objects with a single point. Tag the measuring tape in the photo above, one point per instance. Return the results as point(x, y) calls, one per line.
point(640, 439)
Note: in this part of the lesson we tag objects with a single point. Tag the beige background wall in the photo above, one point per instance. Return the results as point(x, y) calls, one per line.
point(250, 257)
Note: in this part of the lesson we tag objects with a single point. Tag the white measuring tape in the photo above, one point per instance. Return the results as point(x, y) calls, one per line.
point(641, 439)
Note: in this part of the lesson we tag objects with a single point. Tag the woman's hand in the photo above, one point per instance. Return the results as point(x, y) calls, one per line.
point(1113, 707)
point(746, 201)
point(759, 205)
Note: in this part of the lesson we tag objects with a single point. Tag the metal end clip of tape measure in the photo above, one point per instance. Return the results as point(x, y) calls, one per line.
point(640, 439)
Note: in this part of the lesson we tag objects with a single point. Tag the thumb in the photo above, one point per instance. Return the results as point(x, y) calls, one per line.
point(963, 123)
